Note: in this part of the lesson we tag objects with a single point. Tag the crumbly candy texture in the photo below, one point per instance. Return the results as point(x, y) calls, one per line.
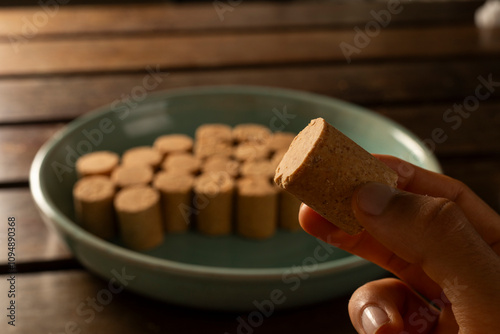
point(323, 167)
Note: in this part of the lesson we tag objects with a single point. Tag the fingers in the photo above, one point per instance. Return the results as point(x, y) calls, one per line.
point(365, 246)
point(434, 234)
point(420, 181)
point(390, 306)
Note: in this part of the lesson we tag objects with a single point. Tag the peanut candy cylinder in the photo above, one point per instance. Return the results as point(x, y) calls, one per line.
point(93, 199)
point(251, 132)
point(323, 167)
point(288, 213)
point(173, 143)
point(142, 155)
point(219, 163)
point(208, 147)
point(281, 141)
point(251, 151)
point(257, 205)
point(97, 163)
point(132, 175)
point(259, 168)
point(221, 133)
point(182, 163)
point(176, 191)
point(277, 157)
point(139, 217)
point(213, 199)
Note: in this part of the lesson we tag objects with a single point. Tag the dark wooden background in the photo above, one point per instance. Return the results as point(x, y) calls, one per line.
point(426, 60)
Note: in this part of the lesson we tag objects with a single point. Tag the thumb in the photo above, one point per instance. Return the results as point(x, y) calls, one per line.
point(389, 305)
point(435, 234)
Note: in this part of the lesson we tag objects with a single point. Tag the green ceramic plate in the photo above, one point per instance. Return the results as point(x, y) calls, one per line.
point(224, 273)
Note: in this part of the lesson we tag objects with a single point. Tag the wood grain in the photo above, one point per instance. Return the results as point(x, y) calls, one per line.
point(18, 146)
point(34, 242)
point(481, 175)
point(135, 53)
point(66, 97)
point(58, 295)
point(40, 21)
point(450, 132)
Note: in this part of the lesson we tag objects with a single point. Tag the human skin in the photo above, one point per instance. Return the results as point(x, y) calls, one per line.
point(442, 242)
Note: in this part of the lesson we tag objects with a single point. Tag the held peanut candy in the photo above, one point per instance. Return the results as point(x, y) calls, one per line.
point(323, 167)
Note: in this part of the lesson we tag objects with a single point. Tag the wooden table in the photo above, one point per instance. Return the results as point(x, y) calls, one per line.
point(412, 63)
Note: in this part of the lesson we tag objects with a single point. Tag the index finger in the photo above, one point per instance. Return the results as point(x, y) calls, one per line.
point(424, 182)
point(369, 248)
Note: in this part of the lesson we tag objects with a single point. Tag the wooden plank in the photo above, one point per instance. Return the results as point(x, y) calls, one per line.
point(451, 132)
point(53, 98)
point(216, 50)
point(481, 175)
point(18, 146)
point(38, 21)
point(65, 297)
point(34, 242)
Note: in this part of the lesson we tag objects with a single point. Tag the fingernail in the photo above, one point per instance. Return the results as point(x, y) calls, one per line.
point(373, 318)
point(373, 198)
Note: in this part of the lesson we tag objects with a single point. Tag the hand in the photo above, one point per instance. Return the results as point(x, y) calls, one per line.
point(439, 238)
